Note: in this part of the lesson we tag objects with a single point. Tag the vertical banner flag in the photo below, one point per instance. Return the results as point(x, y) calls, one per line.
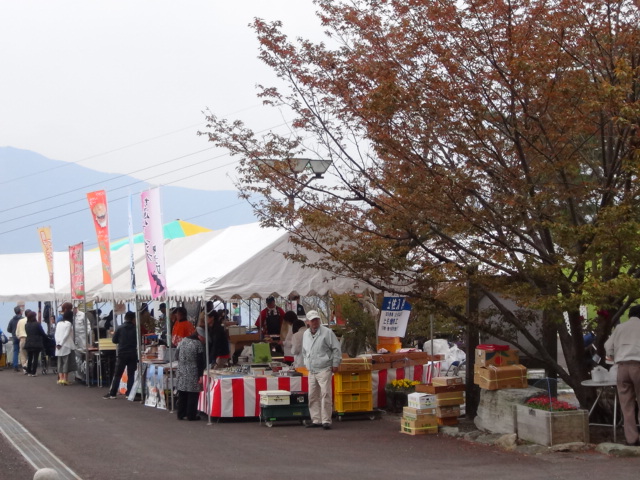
point(153, 241)
point(394, 317)
point(76, 267)
point(47, 248)
point(132, 262)
point(98, 205)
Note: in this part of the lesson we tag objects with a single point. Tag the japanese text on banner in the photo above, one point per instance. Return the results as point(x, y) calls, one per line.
point(153, 242)
point(47, 248)
point(98, 206)
point(76, 266)
point(394, 317)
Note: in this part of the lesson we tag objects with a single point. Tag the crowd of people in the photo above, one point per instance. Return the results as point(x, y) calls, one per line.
point(32, 344)
point(300, 337)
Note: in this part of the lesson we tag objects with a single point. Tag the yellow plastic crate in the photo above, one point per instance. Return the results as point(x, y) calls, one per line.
point(352, 382)
point(354, 402)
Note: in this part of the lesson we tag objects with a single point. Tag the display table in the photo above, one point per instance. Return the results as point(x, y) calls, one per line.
point(602, 386)
point(237, 396)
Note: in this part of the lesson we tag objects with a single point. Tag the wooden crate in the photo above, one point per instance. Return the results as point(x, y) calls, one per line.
point(552, 428)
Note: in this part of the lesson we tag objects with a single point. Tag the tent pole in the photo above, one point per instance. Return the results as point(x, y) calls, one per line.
point(206, 354)
point(170, 345)
point(87, 340)
point(139, 349)
point(431, 363)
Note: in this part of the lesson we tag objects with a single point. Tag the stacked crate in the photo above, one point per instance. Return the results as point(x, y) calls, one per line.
point(497, 367)
point(419, 417)
point(353, 390)
point(390, 344)
point(449, 396)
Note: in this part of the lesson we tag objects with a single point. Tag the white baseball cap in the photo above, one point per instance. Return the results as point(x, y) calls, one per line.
point(312, 315)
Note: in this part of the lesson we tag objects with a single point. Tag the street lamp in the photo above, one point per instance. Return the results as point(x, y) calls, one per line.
point(299, 165)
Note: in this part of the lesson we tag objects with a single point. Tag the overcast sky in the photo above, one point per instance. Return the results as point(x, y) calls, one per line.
point(121, 85)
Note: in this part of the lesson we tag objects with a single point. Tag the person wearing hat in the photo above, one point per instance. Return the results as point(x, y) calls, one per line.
point(322, 356)
point(270, 319)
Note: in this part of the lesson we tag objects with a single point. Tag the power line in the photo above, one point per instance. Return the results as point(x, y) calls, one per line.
point(105, 181)
point(119, 176)
point(118, 199)
point(66, 164)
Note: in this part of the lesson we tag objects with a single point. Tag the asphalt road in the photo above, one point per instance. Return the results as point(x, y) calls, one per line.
point(117, 439)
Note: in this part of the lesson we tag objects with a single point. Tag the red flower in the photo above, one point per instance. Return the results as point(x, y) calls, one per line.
point(547, 403)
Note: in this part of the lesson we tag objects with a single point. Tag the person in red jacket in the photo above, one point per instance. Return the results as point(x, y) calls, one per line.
point(270, 319)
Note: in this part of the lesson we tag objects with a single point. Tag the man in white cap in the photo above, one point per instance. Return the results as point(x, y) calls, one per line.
point(322, 356)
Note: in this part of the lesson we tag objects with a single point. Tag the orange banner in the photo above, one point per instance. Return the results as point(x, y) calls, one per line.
point(98, 206)
point(47, 247)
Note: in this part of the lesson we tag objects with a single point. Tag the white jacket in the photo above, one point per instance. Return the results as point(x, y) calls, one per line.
point(322, 350)
point(64, 338)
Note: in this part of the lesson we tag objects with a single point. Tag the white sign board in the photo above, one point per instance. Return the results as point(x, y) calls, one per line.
point(394, 317)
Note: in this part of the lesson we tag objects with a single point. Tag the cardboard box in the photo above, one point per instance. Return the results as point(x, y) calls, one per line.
point(447, 421)
point(275, 397)
point(359, 364)
point(497, 378)
point(449, 399)
point(499, 358)
point(433, 389)
point(446, 381)
point(405, 362)
point(421, 400)
point(411, 413)
point(427, 421)
point(445, 412)
point(237, 330)
point(419, 431)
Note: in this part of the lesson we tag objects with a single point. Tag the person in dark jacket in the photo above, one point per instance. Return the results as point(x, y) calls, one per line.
point(34, 343)
point(126, 355)
point(219, 342)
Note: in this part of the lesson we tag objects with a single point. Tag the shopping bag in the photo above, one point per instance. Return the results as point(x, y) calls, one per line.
point(152, 390)
point(261, 352)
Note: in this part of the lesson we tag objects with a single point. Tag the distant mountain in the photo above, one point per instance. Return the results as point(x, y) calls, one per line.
point(27, 177)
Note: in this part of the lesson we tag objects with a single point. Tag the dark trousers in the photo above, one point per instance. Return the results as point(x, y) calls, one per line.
point(130, 362)
point(187, 404)
point(32, 361)
point(16, 351)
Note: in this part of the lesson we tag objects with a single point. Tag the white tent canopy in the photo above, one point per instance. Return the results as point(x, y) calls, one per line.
point(244, 261)
point(25, 276)
point(268, 272)
point(191, 263)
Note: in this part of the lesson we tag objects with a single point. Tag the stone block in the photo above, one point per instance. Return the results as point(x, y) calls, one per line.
point(496, 408)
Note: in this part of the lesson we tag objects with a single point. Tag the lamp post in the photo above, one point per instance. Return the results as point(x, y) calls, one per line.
point(297, 166)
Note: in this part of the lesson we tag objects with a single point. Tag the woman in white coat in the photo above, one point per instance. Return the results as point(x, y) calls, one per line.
point(298, 330)
point(65, 347)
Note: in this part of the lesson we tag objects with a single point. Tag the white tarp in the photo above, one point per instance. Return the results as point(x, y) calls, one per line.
point(25, 276)
point(242, 261)
point(192, 262)
point(268, 272)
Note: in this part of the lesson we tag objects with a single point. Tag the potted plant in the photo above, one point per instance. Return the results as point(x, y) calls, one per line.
point(397, 391)
point(545, 420)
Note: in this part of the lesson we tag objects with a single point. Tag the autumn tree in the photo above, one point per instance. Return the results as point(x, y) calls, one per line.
point(493, 142)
